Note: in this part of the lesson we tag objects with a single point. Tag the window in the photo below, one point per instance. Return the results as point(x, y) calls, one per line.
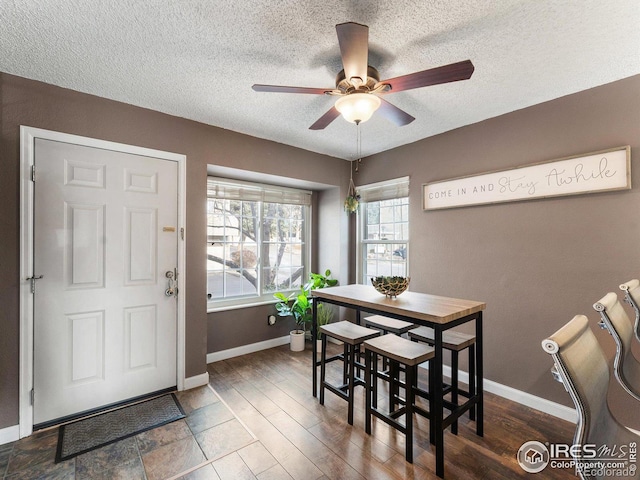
point(256, 241)
point(383, 229)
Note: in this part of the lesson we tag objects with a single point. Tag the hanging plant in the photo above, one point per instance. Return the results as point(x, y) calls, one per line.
point(352, 201)
point(351, 204)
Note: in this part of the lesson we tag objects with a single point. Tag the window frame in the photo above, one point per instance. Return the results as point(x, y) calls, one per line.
point(267, 193)
point(375, 192)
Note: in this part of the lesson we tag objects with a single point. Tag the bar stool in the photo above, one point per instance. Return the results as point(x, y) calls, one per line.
point(455, 342)
point(399, 351)
point(351, 335)
point(388, 325)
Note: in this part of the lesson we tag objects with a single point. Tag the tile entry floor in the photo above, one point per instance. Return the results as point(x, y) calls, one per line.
point(210, 443)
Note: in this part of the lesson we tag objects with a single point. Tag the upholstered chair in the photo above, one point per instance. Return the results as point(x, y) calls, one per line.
point(631, 291)
point(581, 366)
point(615, 320)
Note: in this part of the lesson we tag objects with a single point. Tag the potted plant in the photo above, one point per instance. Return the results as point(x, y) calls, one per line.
point(299, 305)
point(351, 203)
point(324, 316)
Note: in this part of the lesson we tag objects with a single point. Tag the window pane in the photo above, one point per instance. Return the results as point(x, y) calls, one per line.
point(401, 231)
point(282, 279)
point(283, 228)
point(386, 220)
point(373, 213)
point(244, 255)
point(373, 232)
point(215, 254)
point(385, 259)
point(386, 231)
point(232, 253)
point(386, 214)
point(254, 248)
point(239, 283)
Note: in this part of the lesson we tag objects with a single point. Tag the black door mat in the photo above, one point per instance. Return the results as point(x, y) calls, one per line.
point(94, 432)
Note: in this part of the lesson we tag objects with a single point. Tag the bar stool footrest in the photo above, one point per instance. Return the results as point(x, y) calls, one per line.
point(389, 420)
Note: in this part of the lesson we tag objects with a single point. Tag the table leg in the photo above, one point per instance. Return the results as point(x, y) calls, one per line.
point(314, 335)
point(438, 406)
point(479, 376)
point(358, 370)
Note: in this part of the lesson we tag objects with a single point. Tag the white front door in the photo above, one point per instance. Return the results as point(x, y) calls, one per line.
point(105, 234)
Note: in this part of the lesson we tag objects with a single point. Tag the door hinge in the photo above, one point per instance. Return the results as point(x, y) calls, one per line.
point(182, 233)
point(32, 395)
point(33, 173)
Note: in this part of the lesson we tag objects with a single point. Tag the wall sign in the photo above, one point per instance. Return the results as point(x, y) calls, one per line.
point(602, 171)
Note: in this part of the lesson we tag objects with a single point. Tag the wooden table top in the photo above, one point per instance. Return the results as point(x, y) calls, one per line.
point(432, 308)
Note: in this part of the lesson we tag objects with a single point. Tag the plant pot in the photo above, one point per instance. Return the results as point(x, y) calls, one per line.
point(296, 340)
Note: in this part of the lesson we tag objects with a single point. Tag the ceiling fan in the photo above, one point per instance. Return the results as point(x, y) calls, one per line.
point(359, 85)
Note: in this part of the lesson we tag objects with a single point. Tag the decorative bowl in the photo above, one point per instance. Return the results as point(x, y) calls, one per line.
point(390, 286)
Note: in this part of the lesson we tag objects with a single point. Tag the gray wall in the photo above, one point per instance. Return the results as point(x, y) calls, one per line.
point(35, 104)
point(535, 263)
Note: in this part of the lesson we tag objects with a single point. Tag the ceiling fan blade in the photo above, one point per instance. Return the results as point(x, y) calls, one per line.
point(394, 114)
point(354, 49)
point(325, 119)
point(285, 89)
point(434, 76)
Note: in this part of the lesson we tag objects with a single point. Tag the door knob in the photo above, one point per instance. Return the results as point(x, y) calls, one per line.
point(172, 289)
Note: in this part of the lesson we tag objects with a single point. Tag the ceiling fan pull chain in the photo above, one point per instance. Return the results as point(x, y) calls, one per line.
point(358, 146)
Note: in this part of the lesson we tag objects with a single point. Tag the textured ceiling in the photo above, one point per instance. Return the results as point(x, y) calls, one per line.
point(197, 59)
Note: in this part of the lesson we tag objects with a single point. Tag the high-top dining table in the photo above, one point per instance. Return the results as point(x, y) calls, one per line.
point(439, 313)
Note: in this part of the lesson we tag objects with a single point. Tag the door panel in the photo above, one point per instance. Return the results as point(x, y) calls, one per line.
point(86, 331)
point(84, 249)
point(104, 330)
point(141, 347)
point(140, 245)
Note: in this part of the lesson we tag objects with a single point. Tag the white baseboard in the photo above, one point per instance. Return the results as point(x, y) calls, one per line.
point(9, 434)
point(197, 381)
point(245, 349)
point(524, 398)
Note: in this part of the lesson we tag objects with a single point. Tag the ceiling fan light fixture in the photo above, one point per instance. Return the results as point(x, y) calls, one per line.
point(357, 107)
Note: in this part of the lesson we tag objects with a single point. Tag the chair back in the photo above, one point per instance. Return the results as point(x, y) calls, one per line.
point(583, 369)
point(614, 318)
point(631, 291)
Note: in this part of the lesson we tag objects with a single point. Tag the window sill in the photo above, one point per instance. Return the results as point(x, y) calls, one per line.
point(212, 308)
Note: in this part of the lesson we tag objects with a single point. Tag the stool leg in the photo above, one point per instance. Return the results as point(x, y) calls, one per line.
point(345, 364)
point(432, 431)
point(410, 374)
point(472, 379)
point(454, 387)
point(374, 379)
point(394, 386)
point(352, 376)
point(323, 356)
point(385, 361)
point(371, 381)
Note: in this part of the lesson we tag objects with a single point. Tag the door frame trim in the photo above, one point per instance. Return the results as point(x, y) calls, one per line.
point(28, 136)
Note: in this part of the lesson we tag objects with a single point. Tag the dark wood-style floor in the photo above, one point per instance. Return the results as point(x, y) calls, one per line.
point(270, 392)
